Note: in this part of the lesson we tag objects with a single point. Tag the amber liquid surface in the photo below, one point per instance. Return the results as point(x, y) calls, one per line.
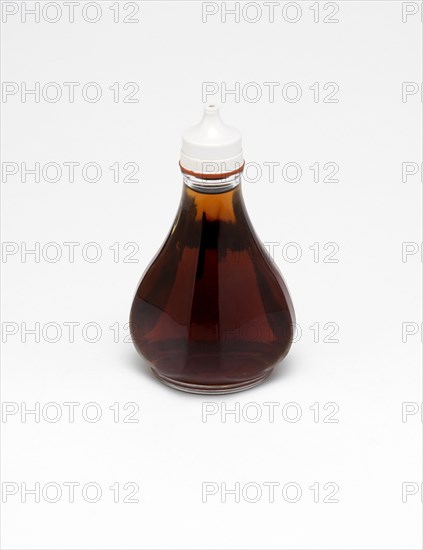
point(212, 312)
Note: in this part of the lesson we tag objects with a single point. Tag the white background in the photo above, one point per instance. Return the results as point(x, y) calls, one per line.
point(369, 292)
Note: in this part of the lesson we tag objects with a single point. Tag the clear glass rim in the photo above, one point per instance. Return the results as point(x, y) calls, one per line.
point(212, 185)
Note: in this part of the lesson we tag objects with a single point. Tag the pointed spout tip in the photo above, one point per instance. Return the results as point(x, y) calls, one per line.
point(211, 108)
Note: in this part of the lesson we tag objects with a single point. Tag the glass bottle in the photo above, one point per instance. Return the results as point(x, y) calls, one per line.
point(212, 313)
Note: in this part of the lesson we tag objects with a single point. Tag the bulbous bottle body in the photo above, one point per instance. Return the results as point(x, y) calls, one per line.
point(212, 313)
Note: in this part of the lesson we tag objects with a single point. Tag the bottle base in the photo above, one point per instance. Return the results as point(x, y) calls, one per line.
point(210, 389)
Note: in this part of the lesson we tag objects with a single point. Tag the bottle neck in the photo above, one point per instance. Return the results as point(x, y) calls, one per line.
point(214, 200)
point(212, 186)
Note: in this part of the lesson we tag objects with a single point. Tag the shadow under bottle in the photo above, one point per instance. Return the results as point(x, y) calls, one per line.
point(212, 313)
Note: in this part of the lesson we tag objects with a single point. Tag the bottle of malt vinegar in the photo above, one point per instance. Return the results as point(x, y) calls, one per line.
point(212, 313)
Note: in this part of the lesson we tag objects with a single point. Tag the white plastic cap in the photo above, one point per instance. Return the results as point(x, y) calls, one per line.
point(211, 147)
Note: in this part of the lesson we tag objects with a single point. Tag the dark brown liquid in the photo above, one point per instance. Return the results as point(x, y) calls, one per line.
point(212, 312)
